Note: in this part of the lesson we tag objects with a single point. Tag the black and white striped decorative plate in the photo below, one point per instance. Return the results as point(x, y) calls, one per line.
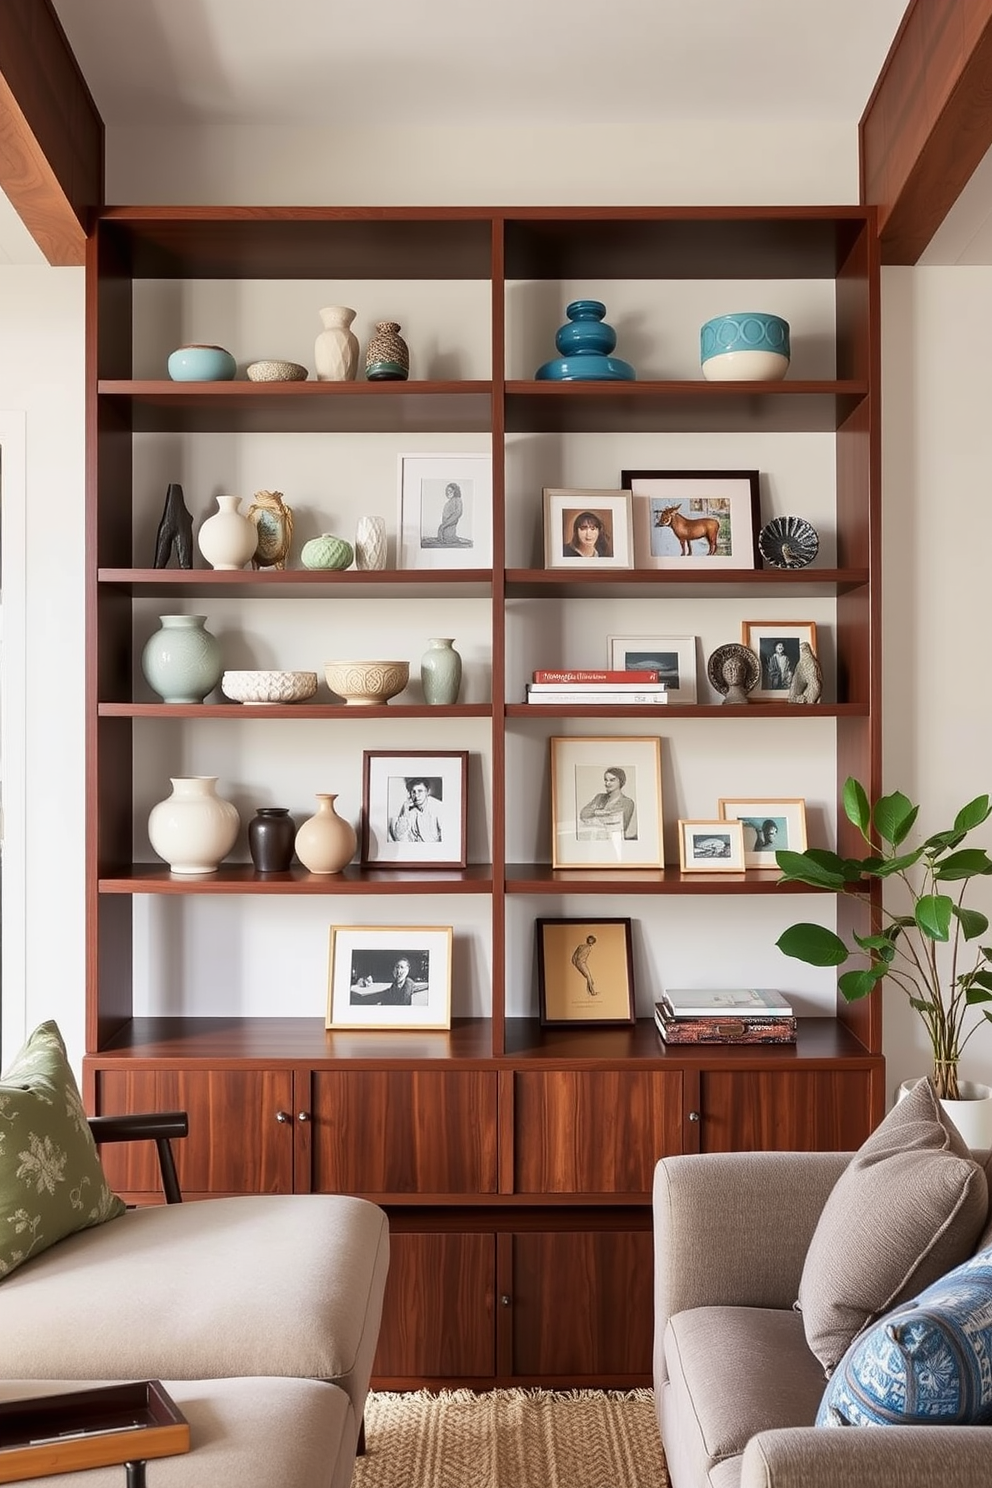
point(788, 542)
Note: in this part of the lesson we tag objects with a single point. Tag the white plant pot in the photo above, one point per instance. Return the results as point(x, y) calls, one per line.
point(972, 1114)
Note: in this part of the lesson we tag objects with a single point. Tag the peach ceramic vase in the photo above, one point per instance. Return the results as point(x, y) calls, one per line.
point(326, 842)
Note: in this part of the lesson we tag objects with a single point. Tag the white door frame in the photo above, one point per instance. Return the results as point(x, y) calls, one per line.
point(13, 731)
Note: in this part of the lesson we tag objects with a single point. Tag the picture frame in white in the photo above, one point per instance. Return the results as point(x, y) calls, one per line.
point(695, 519)
point(414, 808)
point(445, 511)
point(606, 803)
point(389, 976)
point(770, 825)
point(586, 528)
point(711, 846)
point(673, 657)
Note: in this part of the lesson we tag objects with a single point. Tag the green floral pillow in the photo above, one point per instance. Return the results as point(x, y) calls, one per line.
point(51, 1180)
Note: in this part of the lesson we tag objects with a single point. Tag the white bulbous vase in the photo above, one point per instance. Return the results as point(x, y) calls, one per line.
point(335, 351)
point(228, 539)
point(193, 829)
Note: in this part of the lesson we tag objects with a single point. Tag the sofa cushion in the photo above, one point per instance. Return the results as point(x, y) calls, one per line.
point(909, 1206)
point(51, 1179)
point(927, 1362)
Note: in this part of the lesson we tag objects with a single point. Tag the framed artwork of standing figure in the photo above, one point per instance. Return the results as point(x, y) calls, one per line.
point(606, 809)
point(585, 972)
point(414, 808)
point(446, 511)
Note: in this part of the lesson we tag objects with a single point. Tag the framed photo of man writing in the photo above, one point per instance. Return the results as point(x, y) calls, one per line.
point(414, 808)
point(585, 972)
point(769, 826)
point(389, 976)
point(606, 809)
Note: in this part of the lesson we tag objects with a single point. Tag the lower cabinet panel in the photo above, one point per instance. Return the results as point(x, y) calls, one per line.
point(219, 1103)
point(785, 1110)
point(438, 1313)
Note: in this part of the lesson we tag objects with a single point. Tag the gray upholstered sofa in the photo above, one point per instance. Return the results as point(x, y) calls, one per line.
point(736, 1385)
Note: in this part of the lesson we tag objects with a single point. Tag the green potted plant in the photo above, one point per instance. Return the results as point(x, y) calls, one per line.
point(920, 946)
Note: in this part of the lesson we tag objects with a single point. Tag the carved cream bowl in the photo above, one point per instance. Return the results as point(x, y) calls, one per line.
point(268, 687)
point(365, 683)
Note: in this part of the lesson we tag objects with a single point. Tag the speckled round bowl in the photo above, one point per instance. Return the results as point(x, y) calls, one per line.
point(275, 371)
point(260, 688)
point(201, 364)
point(362, 684)
point(748, 346)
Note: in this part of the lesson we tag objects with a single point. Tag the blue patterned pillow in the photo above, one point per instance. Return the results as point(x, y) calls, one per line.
point(926, 1362)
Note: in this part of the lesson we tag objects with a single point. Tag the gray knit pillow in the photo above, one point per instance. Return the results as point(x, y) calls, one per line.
point(909, 1206)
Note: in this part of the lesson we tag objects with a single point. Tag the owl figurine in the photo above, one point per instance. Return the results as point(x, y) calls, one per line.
point(273, 521)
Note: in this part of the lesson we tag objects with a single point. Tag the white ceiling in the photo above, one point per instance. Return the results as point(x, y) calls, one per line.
point(455, 61)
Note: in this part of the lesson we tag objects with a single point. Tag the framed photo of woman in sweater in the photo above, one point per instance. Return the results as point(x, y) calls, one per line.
point(606, 803)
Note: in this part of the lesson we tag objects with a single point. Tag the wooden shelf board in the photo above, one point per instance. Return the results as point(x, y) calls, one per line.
point(242, 878)
point(243, 712)
point(688, 407)
point(663, 583)
point(242, 583)
point(541, 878)
point(819, 1039)
point(688, 710)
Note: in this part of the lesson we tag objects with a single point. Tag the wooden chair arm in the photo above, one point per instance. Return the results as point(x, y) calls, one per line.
point(156, 1126)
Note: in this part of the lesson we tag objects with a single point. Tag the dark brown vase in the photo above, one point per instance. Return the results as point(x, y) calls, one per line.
point(271, 835)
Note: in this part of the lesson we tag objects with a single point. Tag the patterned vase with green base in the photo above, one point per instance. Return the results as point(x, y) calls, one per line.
point(388, 357)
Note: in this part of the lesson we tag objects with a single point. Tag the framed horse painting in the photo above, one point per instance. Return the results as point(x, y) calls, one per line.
point(694, 519)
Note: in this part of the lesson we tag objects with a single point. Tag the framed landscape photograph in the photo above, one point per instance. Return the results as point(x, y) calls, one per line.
point(694, 519)
point(606, 809)
point(414, 808)
point(587, 528)
point(585, 972)
point(446, 511)
point(776, 645)
point(672, 657)
point(768, 825)
point(711, 847)
point(389, 976)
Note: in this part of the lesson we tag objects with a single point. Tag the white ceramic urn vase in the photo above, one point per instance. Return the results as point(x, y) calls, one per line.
point(194, 829)
point(326, 842)
point(335, 351)
point(972, 1114)
point(228, 539)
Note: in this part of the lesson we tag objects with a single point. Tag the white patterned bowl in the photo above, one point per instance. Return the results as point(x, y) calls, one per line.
point(364, 683)
point(268, 687)
point(275, 371)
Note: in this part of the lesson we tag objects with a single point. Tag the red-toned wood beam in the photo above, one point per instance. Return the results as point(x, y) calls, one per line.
point(928, 122)
point(51, 135)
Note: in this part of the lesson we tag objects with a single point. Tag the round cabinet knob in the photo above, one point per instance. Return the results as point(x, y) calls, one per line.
point(504, 1301)
point(693, 1115)
point(282, 1117)
point(303, 1116)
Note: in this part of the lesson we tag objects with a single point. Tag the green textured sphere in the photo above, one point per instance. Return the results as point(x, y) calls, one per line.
point(327, 551)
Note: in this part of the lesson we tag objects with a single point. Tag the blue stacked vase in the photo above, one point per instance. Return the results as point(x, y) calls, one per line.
point(585, 343)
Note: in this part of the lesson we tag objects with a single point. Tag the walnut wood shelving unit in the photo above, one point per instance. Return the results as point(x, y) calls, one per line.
point(515, 1161)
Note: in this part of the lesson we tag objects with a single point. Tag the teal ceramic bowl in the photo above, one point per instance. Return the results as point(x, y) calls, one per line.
point(201, 364)
point(748, 346)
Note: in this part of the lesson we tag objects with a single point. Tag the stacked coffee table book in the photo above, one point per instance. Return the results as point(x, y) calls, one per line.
point(746, 1016)
point(583, 687)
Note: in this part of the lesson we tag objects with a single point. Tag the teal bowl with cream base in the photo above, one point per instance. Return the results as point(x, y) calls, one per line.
point(748, 346)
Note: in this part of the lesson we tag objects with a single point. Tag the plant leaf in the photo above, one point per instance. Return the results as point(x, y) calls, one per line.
point(968, 863)
point(920, 1005)
point(893, 816)
point(849, 868)
point(856, 805)
point(933, 916)
point(897, 865)
point(972, 921)
point(855, 984)
point(973, 814)
point(801, 868)
point(975, 995)
point(813, 944)
point(881, 944)
point(940, 840)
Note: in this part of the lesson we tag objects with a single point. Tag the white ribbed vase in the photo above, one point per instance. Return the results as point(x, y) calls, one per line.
point(370, 543)
point(193, 829)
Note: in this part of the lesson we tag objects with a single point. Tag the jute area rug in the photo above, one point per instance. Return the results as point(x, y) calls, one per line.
point(511, 1439)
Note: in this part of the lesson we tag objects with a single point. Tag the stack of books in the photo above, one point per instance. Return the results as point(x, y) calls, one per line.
point(749, 1016)
point(583, 687)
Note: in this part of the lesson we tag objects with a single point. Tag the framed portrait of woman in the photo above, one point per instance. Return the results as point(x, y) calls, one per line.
point(606, 809)
point(587, 529)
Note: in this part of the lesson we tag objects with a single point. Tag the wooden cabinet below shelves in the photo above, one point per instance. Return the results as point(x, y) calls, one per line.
point(786, 1110)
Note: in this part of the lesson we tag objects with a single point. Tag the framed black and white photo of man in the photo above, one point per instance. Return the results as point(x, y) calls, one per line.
point(414, 808)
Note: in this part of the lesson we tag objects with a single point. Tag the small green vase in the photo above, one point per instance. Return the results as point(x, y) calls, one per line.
point(441, 673)
point(327, 551)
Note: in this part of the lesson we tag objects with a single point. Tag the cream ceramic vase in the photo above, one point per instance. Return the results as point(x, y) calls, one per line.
point(370, 543)
point(228, 539)
point(335, 351)
point(972, 1114)
point(326, 842)
point(193, 829)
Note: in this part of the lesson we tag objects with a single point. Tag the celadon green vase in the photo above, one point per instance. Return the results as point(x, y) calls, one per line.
point(182, 660)
point(441, 672)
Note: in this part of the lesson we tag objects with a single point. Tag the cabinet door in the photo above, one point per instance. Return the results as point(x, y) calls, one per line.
point(403, 1131)
point(437, 1316)
point(581, 1305)
point(237, 1142)
point(594, 1131)
point(785, 1110)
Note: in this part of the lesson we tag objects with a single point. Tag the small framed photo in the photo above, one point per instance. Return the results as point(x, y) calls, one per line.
point(414, 808)
point(606, 809)
point(776, 644)
point(711, 846)
point(389, 976)
point(769, 825)
point(585, 972)
point(587, 528)
point(694, 519)
point(446, 511)
point(672, 657)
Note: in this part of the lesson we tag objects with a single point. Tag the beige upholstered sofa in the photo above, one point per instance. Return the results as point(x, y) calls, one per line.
point(737, 1387)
